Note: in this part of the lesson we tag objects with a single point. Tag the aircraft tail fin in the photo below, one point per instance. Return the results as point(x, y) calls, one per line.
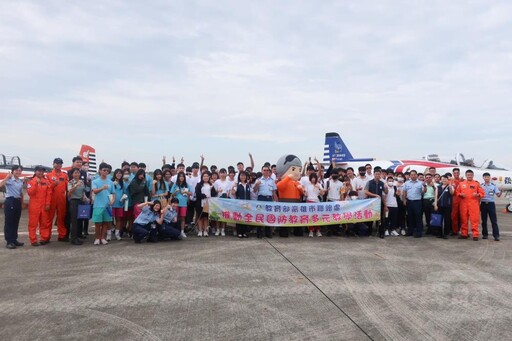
point(88, 154)
point(335, 148)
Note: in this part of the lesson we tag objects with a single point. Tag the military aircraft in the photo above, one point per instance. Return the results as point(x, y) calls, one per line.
point(87, 153)
point(336, 150)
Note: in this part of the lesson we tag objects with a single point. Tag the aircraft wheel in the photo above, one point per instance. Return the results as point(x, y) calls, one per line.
point(509, 208)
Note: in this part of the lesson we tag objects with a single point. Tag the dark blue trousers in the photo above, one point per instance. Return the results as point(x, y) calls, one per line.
point(141, 232)
point(169, 230)
point(12, 210)
point(489, 209)
point(415, 221)
point(268, 229)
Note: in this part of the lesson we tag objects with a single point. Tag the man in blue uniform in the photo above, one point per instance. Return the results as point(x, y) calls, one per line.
point(12, 206)
point(488, 207)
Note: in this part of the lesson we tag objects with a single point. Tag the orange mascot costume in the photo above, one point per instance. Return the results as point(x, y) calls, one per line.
point(289, 189)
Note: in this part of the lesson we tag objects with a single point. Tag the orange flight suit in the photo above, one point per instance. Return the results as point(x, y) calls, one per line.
point(469, 206)
point(40, 196)
point(59, 202)
point(456, 207)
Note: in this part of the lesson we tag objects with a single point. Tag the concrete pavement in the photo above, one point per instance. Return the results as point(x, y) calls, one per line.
point(216, 288)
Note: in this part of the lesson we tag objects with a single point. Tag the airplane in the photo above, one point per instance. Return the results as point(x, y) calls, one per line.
point(460, 160)
point(87, 153)
point(336, 150)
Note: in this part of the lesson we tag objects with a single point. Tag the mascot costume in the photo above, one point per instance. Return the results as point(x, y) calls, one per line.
point(289, 189)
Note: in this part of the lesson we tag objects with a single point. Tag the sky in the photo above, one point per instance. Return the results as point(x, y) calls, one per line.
point(142, 79)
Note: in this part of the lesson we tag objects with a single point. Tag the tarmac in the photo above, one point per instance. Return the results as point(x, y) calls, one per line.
point(225, 288)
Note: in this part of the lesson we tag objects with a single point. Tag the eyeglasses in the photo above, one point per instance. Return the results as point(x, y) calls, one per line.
point(266, 170)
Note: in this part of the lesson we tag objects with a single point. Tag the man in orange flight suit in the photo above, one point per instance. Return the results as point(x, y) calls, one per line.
point(59, 185)
point(470, 193)
point(40, 193)
point(289, 188)
point(456, 202)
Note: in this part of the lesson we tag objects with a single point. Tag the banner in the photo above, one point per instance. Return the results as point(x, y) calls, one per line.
point(271, 213)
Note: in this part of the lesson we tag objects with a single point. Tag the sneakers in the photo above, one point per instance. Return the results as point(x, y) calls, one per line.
point(386, 233)
point(118, 236)
point(310, 234)
point(200, 234)
point(96, 242)
point(222, 233)
point(394, 233)
point(217, 233)
point(104, 242)
point(109, 235)
point(183, 235)
point(402, 232)
point(318, 234)
point(205, 233)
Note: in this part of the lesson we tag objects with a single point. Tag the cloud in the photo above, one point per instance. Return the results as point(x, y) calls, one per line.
point(138, 80)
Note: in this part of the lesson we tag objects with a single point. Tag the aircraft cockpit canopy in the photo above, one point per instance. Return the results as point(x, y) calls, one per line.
point(489, 164)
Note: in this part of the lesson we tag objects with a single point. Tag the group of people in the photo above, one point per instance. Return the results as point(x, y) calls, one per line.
point(128, 202)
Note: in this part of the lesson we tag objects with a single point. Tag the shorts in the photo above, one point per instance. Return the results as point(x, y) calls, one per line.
point(118, 212)
point(101, 215)
point(182, 212)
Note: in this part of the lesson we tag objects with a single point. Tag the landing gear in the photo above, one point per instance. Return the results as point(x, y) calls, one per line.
point(509, 208)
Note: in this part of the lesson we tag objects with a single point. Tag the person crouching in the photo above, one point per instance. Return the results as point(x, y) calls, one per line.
point(170, 228)
point(144, 226)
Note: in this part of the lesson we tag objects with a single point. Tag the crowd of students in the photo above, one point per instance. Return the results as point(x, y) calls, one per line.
point(129, 203)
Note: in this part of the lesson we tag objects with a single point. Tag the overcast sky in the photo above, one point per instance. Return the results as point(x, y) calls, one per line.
point(142, 79)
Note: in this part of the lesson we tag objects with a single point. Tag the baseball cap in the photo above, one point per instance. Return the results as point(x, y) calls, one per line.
point(58, 160)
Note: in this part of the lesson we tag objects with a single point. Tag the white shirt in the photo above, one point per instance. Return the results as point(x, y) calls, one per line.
point(254, 195)
point(222, 187)
point(313, 191)
point(333, 192)
point(232, 183)
point(206, 190)
point(390, 197)
point(192, 181)
point(353, 183)
point(359, 186)
point(304, 181)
